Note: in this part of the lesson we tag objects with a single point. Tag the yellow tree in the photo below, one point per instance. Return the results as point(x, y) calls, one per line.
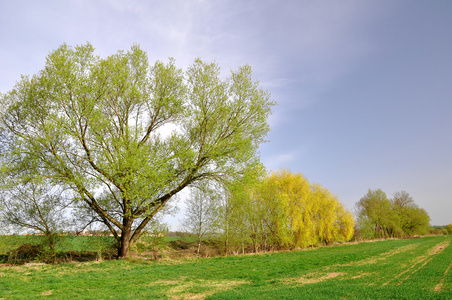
point(345, 223)
point(325, 214)
point(290, 192)
point(285, 211)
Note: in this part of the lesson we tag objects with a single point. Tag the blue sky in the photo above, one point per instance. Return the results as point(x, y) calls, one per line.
point(364, 88)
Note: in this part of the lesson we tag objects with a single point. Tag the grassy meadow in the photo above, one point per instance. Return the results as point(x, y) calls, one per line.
point(62, 243)
point(393, 269)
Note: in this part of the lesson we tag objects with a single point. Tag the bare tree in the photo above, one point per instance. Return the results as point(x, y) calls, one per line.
point(202, 214)
point(35, 206)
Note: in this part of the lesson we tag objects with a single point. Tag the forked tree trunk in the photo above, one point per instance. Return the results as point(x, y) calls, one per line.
point(128, 237)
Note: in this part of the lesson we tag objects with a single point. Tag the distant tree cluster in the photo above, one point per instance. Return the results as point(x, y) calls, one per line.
point(449, 229)
point(439, 230)
point(380, 217)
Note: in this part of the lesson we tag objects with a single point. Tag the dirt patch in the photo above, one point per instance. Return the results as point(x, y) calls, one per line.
point(380, 257)
point(34, 264)
point(439, 248)
point(314, 278)
point(183, 289)
point(165, 282)
point(18, 269)
point(47, 293)
point(399, 250)
point(361, 275)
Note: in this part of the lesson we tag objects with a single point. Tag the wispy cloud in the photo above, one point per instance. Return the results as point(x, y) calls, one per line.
point(281, 160)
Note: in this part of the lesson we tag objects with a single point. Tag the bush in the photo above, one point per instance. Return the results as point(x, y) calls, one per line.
point(22, 249)
point(449, 229)
point(180, 244)
point(152, 244)
point(26, 253)
point(9, 243)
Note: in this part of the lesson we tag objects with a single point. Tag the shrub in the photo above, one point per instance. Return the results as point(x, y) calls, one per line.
point(26, 253)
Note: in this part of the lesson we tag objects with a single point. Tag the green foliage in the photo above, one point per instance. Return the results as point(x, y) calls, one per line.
point(449, 229)
point(374, 213)
point(11, 242)
point(25, 253)
point(126, 136)
point(438, 230)
point(381, 217)
point(392, 269)
point(65, 246)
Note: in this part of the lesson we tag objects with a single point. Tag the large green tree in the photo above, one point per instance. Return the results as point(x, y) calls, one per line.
point(126, 136)
point(383, 217)
point(374, 209)
point(411, 218)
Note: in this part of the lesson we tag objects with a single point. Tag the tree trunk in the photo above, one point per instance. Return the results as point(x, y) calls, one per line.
point(199, 248)
point(124, 244)
point(199, 240)
point(226, 241)
point(51, 245)
point(243, 243)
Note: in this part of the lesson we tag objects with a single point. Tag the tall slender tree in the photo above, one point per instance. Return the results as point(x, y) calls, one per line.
point(202, 214)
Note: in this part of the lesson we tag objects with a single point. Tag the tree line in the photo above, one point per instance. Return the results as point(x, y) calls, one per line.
point(380, 217)
point(282, 210)
point(264, 212)
point(113, 140)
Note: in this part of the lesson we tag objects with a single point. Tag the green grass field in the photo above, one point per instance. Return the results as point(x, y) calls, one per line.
point(393, 269)
point(70, 242)
point(62, 243)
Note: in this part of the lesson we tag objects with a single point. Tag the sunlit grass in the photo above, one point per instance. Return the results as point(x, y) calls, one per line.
point(393, 269)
